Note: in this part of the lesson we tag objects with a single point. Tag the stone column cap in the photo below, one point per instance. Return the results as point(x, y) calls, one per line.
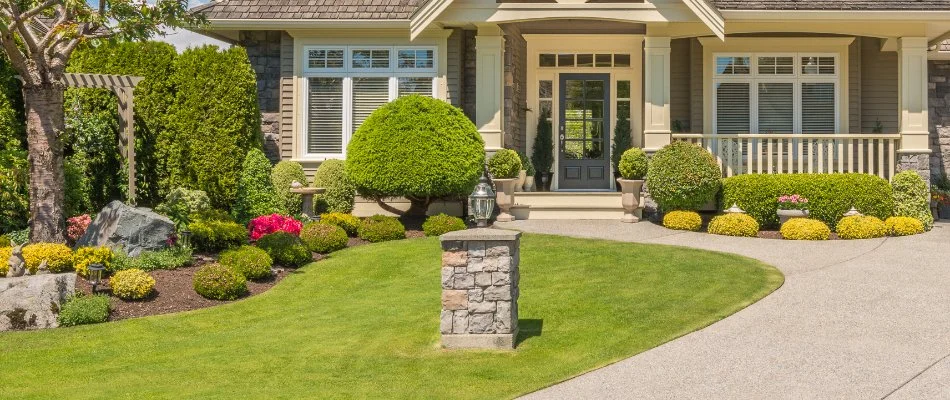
point(481, 234)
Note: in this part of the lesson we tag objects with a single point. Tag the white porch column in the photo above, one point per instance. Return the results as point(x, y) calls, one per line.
point(914, 119)
point(490, 90)
point(656, 93)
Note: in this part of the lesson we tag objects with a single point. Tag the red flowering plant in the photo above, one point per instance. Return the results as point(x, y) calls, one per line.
point(940, 197)
point(76, 227)
point(267, 224)
point(792, 202)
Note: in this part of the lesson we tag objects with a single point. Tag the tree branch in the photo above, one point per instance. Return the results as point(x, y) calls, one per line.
point(17, 58)
point(38, 9)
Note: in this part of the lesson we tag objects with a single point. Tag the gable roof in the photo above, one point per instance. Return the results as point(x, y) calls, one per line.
point(310, 9)
point(834, 5)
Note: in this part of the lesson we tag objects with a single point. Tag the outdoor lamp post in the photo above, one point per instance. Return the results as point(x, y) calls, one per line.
point(95, 276)
point(185, 236)
point(481, 203)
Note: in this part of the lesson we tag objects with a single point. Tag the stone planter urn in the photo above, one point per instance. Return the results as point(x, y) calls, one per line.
point(545, 182)
point(630, 198)
point(785, 215)
point(522, 176)
point(505, 198)
point(529, 184)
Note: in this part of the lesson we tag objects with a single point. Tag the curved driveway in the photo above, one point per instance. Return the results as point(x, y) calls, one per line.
point(866, 319)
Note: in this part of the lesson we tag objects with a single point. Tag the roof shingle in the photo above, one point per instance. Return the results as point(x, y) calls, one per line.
point(310, 9)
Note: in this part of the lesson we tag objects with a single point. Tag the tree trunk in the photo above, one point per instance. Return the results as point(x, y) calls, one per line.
point(418, 206)
point(44, 124)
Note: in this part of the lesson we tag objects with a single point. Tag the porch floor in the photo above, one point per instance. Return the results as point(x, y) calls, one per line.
point(572, 205)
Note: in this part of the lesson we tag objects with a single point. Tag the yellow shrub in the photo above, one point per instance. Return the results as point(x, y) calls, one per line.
point(805, 229)
point(132, 284)
point(59, 257)
point(87, 256)
point(861, 227)
point(5, 253)
point(896, 226)
point(683, 220)
point(734, 225)
point(348, 222)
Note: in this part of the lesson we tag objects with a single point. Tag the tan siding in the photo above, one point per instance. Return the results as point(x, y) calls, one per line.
point(454, 68)
point(680, 82)
point(696, 85)
point(854, 87)
point(286, 96)
point(878, 87)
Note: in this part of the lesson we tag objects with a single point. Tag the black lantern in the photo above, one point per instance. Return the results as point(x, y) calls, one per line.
point(185, 238)
point(95, 275)
point(481, 203)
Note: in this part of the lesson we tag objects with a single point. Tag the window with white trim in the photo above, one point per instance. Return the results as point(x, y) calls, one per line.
point(345, 84)
point(776, 93)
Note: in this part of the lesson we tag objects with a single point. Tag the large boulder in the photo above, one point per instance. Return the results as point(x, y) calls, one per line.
point(134, 229)
point(33, 302)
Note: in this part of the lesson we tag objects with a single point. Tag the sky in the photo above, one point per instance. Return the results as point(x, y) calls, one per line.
point(182, 39)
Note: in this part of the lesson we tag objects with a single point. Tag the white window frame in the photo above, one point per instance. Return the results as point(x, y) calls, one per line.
point(393, 73)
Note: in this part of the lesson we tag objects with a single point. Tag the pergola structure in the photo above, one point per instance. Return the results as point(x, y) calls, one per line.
point(122, 86)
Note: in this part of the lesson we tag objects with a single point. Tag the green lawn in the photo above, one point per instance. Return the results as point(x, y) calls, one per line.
point(364, 323)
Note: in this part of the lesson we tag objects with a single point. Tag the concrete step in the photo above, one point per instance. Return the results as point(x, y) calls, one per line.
point(567, 205)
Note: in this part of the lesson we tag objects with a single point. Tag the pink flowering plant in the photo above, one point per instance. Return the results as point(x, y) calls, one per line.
point(267, 224)
point(792, 202)
point(76, 227)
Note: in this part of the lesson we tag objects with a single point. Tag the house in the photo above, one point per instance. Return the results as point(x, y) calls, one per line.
point(768, 86)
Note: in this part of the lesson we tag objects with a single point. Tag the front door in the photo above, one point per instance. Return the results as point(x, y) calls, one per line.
point(583, 156)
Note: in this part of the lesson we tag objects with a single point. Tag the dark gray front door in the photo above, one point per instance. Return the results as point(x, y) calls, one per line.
point(583, 158)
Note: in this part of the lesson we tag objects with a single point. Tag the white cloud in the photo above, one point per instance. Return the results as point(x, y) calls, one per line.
point(183, 39)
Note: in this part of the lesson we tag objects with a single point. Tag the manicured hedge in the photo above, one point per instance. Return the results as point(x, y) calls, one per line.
point(683, 176)
point(829, 195)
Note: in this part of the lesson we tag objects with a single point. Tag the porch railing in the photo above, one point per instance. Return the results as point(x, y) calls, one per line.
point(800, 153)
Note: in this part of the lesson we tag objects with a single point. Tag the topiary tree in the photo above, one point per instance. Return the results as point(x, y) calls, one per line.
point(340, 192)
point(683, 176)
point(912, 197)
point(504, 164)
point(255, 192)
point(623, 141)
point(542, 154)
point(633, 164)
point(416, 147)
point(283, 174)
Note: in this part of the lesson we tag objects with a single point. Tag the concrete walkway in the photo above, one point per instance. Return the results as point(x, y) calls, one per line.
point(867, 319)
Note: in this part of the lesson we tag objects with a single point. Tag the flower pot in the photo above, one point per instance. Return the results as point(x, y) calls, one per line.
point(944, 211)
point(505, 198)
point(630, 198)
point(522, 175)
point(785, 215)
point(545, 182)
point(529, 184)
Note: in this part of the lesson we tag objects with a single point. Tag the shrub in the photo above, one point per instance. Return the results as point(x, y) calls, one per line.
point(14, 190)
point(622, 141)
point(323, 238)
point(805, 229)
point(861, 227)
point(542, 154)
point(181, 203)
point(903, 226)
point(526, 164)
point(829, 195)
point(267, 224)
point(504, 164)
point(81, 310)
point(285, 249)
point(213, 236)
point(416, 147)
point(380, 228)
point(132, 284)
point(281, 177)
point(348, 222)
point(59, 257)
point(735, 224)
point(252, 262)
point(86, 256)
point(4, 241)
point(438, 225)
point(255, 192)
point(19, 237)
point(5, 253)
point(633, 164)
point(172, 258)
point(683, 220)
point(683, 176)
point(76, 227)
point(219, 282)
point(212, 215)
point(911, 198)
point(340, 192)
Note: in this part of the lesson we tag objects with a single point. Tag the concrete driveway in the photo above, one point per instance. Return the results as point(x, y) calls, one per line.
point(867, 319)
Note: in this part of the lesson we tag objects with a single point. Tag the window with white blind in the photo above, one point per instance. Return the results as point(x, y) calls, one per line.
point(775, 93)
point(346, 84)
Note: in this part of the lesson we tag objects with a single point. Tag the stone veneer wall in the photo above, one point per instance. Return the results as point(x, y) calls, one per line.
point(516, 78)
point(264, 51)
point(939, 93)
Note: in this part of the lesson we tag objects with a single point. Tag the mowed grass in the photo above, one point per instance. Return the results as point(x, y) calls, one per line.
point(364, 324)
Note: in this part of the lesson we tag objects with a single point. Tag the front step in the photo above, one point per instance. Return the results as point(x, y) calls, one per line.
point(568, 205)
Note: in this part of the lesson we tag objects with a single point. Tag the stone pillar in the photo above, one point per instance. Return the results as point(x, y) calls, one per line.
point(914, 121)
point(489, 78)
point(480, 289)
point(657, 131)
point(939, 109)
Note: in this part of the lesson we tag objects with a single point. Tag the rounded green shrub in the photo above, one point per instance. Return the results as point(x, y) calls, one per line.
point(285, 249)
point(212, 235)
point(912, 198)
point(683, 176)
point(903, 226)
point(219, 282)
point(4, 241)
point(416, 147)
point(281, 177)
point(861, 227)
point(255, 192)
point(82, 310)
point(683, 221)
point(805, 229)
point(340, 191)
point(348, 222)
point(438, 225)
point(132, 284)
point(323, 238)
point(633, 164)
point(504, 164)
point(254, 263)
point(526, 164)
point(380, 228)
point(735, 224)
point(183, 202)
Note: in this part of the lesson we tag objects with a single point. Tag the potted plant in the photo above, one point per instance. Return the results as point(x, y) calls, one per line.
point(504, 167)
point(632, 167)
point(792, 206)
point(523, 173)
point(621, 142)
point(542, 154)
point(529, 179)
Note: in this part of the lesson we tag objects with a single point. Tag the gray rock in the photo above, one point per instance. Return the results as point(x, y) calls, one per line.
point(483, 279)
point(33, 302)
point(498, 293)
point(445, 321)
point(504, 317)
point(460, 321)
point(482, 307)
point(481, 323)
point(475, 295)
point(134, 229)
point(500, 278)
point(466, 281)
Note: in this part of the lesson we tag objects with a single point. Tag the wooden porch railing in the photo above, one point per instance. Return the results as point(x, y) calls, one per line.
point(800, 153)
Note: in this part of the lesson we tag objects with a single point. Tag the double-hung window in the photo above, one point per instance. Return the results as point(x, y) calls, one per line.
point(345, 84)
point(776, 93)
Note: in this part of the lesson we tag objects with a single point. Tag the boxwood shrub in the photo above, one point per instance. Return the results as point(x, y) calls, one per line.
point(683, 220)
point(860, 227)
point(252, 262)
point(340, 192)
point(912, 198)
point(219, 282)
point(734, 225)
point(58, 257)
point(348, 222)
point(805, 229)
point(213, 236)
point(829, 195)
point(132, 284)
point(81, 310)
point(633, 164)
point(504, 164)
point(281, 177)
point(438, 225)
point(285, 249)
point(683, 176)
point(323, 238)
point(380, 228)
point(903, 226)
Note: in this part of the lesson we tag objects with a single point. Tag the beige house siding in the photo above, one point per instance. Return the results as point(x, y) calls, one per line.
point(854, 87)
point(286, 96)
point(680, 83)
point(696, 85)
point(878, 87)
